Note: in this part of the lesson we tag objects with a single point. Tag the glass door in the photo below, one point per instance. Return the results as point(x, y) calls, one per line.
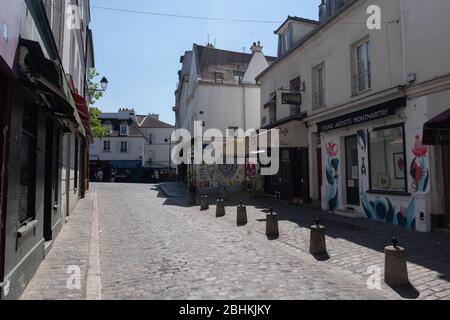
point(352, 170)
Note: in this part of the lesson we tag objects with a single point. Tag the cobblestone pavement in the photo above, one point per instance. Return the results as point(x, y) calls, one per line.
point(153, 248)
point(70, 248)
point(355, 244)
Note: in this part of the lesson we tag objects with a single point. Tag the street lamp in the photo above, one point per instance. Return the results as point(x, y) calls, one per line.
point(104, 83)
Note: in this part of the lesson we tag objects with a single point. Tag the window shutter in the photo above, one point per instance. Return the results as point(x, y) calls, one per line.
point(58, 15)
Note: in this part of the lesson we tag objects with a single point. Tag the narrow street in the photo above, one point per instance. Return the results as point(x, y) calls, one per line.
point(154, 247)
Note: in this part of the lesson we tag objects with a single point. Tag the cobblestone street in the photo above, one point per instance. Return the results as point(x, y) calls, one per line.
point(154, 247)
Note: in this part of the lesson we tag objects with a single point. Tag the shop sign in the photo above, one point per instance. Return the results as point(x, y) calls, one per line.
point(292, 98)
point(125, 164)
point(373, 113)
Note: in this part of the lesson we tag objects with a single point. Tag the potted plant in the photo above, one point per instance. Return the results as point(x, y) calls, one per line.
point(192, 185)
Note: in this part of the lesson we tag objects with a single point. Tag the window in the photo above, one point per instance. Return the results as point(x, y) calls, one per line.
point(273, 113)
point(108, 127)
point(319, 86)
point(150, 138)
point(106, 146)
point(76, 162)
point(286, 40)
point(124, 129)
point(27, 179)
point(387, 159)
point(363, 69)
point(123, 146)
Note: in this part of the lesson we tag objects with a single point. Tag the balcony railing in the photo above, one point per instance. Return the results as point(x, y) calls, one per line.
point(361, 82)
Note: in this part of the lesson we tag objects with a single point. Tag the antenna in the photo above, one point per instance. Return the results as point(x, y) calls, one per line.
point(208, 40)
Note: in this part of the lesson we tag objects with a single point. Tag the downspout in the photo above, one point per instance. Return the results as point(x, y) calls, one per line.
point(402, 19)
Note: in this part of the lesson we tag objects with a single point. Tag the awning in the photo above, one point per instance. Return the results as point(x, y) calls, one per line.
point(437, 130)
point(83, 112)
point(47, 80)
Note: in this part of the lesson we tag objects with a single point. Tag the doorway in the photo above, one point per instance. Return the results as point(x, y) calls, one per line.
point(446, 169)
point(51, 193)
point(352, 170)
point(300, 173)
point(319, 171)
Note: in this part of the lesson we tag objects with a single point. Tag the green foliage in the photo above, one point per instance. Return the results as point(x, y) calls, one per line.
point(192, 181)
point(93, 87)
point(98, 130)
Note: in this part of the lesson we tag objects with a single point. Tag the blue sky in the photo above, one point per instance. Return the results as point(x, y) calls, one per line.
point(139, 54)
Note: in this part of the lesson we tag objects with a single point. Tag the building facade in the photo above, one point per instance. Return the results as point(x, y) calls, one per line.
point(366, 95)
point(217, 89)
point(136, 148)
point(45, 126)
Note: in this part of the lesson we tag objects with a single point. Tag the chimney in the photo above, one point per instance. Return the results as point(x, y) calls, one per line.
point(323, 11)
point(256, 47)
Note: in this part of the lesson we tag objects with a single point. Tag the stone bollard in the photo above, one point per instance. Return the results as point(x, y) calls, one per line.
point(317, 244)
point(272, 224)
point(241, 215)
point(204, 203)
point(220, 208)
point(395, 269)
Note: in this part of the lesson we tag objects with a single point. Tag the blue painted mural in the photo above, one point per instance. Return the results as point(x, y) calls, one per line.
point(332, 175)
point(382, 208)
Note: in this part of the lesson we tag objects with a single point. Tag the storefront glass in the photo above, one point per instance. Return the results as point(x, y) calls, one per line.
point(387, 159)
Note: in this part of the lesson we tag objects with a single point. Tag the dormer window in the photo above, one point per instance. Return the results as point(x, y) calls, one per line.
point(124, 129)
point(286, 40)
point(108, 127)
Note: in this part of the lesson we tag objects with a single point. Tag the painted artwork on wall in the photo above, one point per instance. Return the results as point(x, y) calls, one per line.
point(332, 176)
point(419, 167)
point(386, 209)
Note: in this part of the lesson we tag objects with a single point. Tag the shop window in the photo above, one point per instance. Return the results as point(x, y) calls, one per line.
point(388, 159)
point(77, 150)
point(27, 181)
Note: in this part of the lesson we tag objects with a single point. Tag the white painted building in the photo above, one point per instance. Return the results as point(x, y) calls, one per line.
point(367, 96)
point(218, 88)
point(135, 149)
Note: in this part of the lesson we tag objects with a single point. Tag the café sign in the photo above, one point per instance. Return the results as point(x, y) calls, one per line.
point(293, 98)
point(376, 112)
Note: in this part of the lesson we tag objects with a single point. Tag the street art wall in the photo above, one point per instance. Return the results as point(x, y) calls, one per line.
point(410, 209)
point(221, 177)
point(332, 169)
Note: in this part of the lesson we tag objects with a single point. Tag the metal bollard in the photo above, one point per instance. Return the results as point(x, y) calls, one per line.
point(272, 224)
point(241, 215)
point(395, 269)
point(317, 244)
point(220, 208)
point(204, 203)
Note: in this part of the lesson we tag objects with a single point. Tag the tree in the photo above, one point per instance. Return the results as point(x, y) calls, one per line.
point(98, 130)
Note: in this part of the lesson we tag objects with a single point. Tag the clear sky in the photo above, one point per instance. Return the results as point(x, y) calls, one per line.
point(139, 54)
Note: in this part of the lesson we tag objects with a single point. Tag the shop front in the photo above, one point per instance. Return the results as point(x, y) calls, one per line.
point(291, 183)
point(436, 132)
point(374, 164)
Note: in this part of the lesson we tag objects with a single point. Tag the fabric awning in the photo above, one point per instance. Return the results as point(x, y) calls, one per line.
point(47, 79)
point(437, 130)
point(83, 112)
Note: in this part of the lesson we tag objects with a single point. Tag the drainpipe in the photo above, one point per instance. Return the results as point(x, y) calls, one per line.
point(402, 19)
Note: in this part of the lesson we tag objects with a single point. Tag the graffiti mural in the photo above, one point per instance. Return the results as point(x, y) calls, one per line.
point(384, 209)
point(419, 167)
point(332, 176)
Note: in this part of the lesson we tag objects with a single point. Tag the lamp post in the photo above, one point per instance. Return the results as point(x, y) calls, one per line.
point(167, 140)
point(103, 84)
